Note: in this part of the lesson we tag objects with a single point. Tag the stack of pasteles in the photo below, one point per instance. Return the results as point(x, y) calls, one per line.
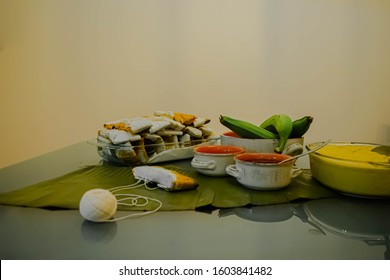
point(135, 140)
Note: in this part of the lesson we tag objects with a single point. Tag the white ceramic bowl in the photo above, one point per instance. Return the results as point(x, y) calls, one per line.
point(294, 146)
point(261, 171)
point(212, 160)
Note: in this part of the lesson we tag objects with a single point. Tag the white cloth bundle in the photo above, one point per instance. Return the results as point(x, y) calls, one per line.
point(152, 135)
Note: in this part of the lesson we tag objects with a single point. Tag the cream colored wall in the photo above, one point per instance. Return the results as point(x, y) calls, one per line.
point(67, 66)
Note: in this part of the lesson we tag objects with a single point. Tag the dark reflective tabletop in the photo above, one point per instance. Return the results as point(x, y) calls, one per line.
point(333, 228)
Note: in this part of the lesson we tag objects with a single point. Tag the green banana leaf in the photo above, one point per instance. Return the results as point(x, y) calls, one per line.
point(65, 192)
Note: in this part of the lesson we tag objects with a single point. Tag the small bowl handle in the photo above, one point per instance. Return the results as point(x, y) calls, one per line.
point(208, 165)
point(234, 171)
point(295, 172)
point(293, 149)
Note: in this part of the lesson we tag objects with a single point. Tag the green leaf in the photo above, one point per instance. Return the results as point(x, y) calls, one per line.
point(65, 192)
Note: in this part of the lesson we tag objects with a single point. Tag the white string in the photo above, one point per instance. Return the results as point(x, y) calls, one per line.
point(134, 198)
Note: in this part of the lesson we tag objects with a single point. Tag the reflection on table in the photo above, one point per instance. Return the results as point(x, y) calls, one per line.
point(355, 218)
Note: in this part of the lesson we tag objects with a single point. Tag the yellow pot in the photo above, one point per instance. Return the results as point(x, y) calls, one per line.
point(359, 169)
